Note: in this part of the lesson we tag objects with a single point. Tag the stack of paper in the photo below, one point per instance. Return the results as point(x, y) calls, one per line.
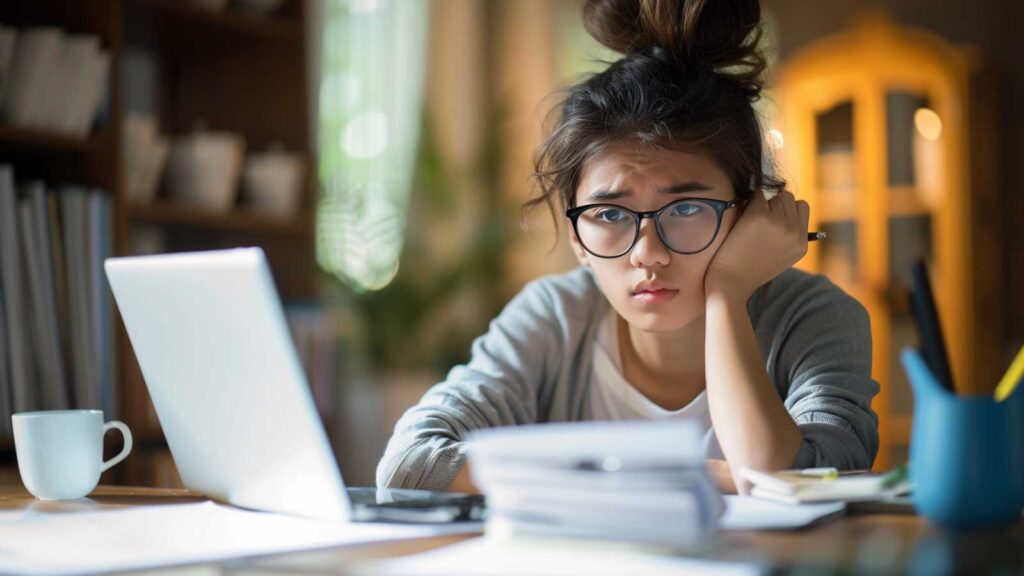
point(52, 81)
point(497, 557)
point(642, 482)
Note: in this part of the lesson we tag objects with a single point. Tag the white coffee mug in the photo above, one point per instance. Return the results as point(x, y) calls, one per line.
point(60, 452)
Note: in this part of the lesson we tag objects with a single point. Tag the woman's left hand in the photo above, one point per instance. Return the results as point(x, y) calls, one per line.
point(721, 473)
point(767, 238)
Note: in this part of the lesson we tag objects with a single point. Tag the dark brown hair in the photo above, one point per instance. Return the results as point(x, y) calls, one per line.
point(690, 75)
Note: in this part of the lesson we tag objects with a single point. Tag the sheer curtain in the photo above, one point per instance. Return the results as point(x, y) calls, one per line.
point(370, 57)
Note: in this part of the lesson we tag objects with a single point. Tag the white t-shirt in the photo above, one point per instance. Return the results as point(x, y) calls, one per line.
point(614, 398)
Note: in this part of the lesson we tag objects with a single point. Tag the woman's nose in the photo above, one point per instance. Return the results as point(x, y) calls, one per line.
point(649, 250)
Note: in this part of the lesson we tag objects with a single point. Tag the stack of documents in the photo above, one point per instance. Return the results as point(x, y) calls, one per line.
point(640, 482)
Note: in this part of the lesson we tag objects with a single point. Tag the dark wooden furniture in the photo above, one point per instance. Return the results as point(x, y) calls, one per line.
point(231, 70)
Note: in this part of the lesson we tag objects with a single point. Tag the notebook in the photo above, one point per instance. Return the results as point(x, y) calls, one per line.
point(794, 487)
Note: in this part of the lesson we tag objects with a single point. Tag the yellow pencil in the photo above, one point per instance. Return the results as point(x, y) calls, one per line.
point(1011, 378)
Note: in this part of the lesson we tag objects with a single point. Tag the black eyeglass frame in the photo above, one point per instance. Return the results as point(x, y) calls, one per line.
point(719, 206)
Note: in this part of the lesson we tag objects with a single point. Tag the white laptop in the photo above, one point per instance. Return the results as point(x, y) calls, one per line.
point(230, 393)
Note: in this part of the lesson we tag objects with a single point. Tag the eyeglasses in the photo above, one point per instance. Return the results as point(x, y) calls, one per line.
point(685, 226)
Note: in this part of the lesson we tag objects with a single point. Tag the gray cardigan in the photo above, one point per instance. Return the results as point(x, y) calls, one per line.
point(534, 365)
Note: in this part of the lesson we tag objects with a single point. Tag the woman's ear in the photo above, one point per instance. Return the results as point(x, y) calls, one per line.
point(581, 255)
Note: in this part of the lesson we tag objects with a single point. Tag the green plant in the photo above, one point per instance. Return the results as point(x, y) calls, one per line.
point(421, 318)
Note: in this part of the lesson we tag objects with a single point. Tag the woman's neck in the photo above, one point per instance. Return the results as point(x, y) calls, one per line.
point(668, 368)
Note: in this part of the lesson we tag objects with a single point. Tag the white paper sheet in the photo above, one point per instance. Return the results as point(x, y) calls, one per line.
point(33, 542)
point(492, 557)
point(557, 557)
point(747, 513)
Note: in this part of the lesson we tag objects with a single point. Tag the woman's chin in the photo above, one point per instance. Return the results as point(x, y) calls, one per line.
point(661, 321)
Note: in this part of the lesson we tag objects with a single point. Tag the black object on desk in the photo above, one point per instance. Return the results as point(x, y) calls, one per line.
point(933, 347)
point(414, 506)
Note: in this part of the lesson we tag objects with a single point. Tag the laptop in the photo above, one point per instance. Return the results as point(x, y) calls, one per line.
point(231, 396)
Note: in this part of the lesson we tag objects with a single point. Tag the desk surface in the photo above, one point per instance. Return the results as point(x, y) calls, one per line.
point(875, 543)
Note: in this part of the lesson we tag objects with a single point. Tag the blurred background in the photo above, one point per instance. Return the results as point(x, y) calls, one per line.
point(379, 151)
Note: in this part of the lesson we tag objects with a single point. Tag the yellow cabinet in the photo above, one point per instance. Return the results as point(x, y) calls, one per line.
point(874, 123)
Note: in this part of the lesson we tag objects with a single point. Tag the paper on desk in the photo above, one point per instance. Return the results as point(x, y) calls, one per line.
point(150, 536)
point(748, 513)
point(556, 557)
point(496, 557)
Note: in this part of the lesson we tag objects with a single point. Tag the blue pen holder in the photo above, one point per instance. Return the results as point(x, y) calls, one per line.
point(966, 453)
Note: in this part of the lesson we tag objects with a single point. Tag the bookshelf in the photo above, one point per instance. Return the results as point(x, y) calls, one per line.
point(181, 216)
point(14, 140)
point(231, 70)
point(174, 15)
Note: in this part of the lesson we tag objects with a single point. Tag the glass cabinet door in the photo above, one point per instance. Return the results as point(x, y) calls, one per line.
point(837, 185)
point(873, 120)
point(914, 188)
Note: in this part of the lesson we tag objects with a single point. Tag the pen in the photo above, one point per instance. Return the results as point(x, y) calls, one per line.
point(812, 236)
point(933, 347)
point(1012, 377)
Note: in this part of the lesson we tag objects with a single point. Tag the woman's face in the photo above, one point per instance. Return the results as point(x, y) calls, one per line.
point(652, 287)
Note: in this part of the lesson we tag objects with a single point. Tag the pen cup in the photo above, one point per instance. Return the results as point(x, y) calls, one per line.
point(966, 453)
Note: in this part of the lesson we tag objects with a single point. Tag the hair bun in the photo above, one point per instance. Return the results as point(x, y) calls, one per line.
point(721, 34)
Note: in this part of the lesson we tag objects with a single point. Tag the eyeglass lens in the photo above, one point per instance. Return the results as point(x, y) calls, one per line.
point(686, 226)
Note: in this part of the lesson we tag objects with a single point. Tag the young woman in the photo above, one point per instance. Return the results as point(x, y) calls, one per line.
point(684, 304)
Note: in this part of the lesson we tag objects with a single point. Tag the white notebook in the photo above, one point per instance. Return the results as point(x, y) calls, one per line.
point(792, 487)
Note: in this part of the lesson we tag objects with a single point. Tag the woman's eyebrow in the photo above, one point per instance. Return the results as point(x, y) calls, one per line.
point(685, 187)
point(602, 194)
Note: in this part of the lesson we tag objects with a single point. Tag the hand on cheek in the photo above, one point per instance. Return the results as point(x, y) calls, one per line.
point(766, 239)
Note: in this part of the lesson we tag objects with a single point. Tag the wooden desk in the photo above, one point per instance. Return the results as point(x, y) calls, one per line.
point(873, 543)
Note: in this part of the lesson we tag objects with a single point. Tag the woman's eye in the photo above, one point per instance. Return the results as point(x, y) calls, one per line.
point(686, 210)
point(611, 215)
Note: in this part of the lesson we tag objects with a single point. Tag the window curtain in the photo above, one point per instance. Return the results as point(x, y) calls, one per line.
point(371, 60)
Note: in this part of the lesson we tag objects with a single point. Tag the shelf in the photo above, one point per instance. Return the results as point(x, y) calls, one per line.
point(840, 205)
point(905, 201)
point(40, 141)
point(239, 220)
point(836, 205)
point(182, 15)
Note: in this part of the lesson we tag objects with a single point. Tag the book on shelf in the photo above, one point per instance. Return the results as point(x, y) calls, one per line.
point(8, 36)
point(58, 331)
point(56, 82)
point(13, 284)
point(44, 327)
point(5, 377)
point(101, 246)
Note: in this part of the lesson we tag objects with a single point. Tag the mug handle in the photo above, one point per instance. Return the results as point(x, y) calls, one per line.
point(127, 434)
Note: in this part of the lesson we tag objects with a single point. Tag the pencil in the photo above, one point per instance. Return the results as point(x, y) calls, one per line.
point(933, 347)
point(1012, 377)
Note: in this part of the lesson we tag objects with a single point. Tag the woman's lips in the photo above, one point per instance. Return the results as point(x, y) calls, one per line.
point(654, 296)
